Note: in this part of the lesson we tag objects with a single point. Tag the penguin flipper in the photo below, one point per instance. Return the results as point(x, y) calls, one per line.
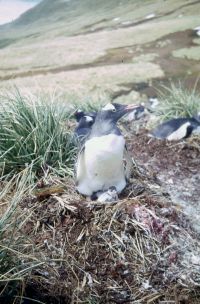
point(128, 164)
point(79, 168)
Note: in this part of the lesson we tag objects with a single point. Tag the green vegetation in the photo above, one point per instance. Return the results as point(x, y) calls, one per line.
point(177, 101)
point(88, 104)
point(16, 264)
point(34, 134)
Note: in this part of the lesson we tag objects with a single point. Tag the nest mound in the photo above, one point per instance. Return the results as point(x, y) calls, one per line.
point(140, 250)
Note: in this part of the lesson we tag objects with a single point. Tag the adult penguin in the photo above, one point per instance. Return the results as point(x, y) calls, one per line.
point(85, 121)
point(103, 161)
point(80, 114)
point(177, 128)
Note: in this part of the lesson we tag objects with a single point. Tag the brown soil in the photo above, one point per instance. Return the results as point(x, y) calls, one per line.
point(177, 166)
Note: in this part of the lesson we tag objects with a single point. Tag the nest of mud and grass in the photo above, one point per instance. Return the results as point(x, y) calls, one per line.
point(140, 250)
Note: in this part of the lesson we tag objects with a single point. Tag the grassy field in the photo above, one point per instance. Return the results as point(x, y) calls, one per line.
point(84, 47)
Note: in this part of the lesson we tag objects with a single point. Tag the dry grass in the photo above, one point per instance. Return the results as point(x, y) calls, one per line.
point(141, 250)
point(88, 81)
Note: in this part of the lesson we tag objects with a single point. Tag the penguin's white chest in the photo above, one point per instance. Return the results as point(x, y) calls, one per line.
point(103, 155)
point(104, 165)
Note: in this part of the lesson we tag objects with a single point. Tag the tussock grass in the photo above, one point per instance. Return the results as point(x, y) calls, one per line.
point(33, 133)
point(16, 263)
point(177, 101)
point(88, 104)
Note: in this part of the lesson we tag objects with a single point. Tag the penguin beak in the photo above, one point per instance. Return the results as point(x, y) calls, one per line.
point(131, 107)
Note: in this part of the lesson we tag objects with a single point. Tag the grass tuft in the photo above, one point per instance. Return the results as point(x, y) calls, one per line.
point(16, 264)
point(177, 101)
point(33, 133)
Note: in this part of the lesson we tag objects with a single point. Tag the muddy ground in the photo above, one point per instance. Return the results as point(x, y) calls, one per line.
point(175, 164)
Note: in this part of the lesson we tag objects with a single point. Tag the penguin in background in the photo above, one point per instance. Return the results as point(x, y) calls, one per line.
point(85, 121)
point(80, 114)
point(103, 161)
point(135, 114)
point(177, 128)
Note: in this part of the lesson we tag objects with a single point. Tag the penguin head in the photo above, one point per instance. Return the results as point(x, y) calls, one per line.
point(114, 111)
point(84, 126)
point(86, 121)
point(136, 114)
point(80, 114)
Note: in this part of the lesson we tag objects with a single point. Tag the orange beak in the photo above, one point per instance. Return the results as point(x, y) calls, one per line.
point(132, 107)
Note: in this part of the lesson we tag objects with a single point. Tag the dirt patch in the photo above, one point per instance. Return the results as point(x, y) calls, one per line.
point(176, 164)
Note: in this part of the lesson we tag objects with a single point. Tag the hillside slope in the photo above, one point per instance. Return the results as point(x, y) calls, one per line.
point(106, 46)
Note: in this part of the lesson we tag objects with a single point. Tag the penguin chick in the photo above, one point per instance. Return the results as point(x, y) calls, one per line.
point(100, 162)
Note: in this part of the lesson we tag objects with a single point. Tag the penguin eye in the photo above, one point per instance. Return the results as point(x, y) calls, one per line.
point(114, 110)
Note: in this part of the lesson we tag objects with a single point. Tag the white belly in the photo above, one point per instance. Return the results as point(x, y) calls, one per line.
point(104, 167)
point(179, 133)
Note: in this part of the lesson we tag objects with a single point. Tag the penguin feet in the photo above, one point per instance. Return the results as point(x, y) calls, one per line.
point(95, 195)
point(110, 196)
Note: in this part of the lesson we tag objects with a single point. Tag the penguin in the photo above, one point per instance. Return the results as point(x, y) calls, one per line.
point(176, 129)
point(197, 31)
point(103, 160)
point(154, 102)
point(80, 113)
point(135, 114)
point(85, 121)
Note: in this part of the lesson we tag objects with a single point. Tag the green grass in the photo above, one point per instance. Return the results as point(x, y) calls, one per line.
point(33, 133)
point(15, 264)
point(88, 104)
point(177, 101)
